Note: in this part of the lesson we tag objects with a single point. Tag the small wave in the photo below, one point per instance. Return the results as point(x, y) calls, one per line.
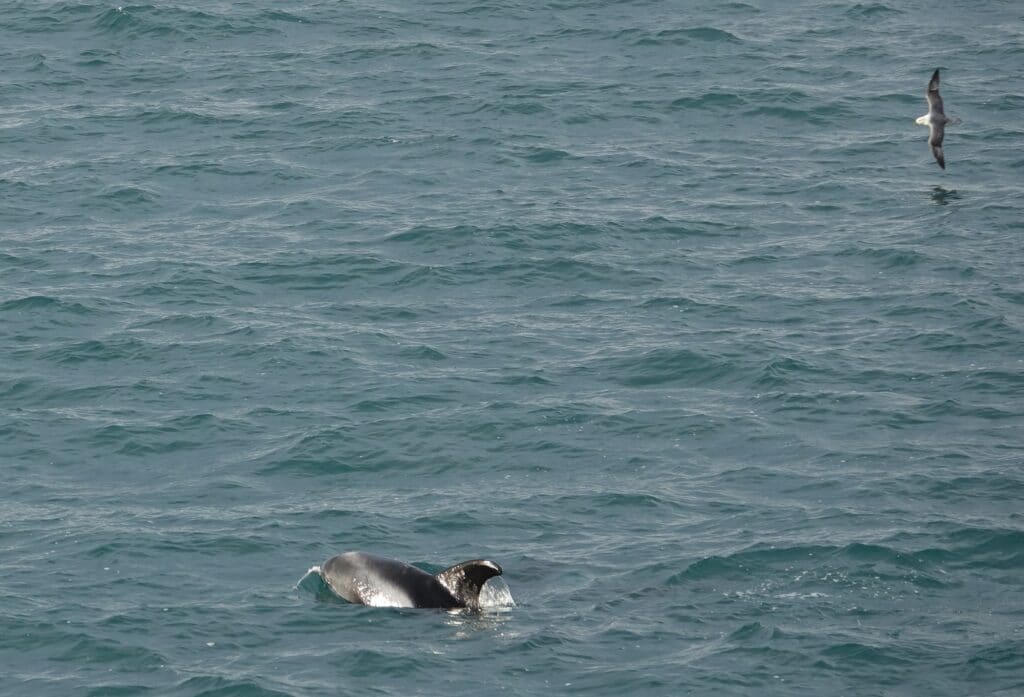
point(127, 196)
point(423, 353)
point(785, 371)
point(702, 34)
point(781, 112)
point(826, 573)
point(323, 273)
point(173, 22)
point(282, 16)
point(43, 302)
point(115, 349)
point(189, 118)
point(872, 11)
point(712, 101)
point(216, 686)
point(89, 648)
point(667, 366)
point(886, 258)
point(541, 155)
point(863, 654)
point(16, 262)
point(680, 37)
point(142, 21)
point(610, 501)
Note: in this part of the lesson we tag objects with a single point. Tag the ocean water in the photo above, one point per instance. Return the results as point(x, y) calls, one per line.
point(663, 306)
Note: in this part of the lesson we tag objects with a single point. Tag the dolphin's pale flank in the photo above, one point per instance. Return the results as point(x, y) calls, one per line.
point(371, 580)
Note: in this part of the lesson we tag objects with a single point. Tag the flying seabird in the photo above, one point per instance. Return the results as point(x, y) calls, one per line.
point(935, 119)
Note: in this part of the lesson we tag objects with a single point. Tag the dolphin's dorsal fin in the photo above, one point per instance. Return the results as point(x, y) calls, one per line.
point(465, 579)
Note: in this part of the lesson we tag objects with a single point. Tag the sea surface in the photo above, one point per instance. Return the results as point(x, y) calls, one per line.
point(663, 306)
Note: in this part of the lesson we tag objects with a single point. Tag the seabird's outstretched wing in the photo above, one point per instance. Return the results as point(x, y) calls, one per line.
point(936, 119)
point(934, 99)
point(936, 130)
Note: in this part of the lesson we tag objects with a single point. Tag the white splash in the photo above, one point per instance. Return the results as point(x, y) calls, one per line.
point(495, 595)
point(312, 570)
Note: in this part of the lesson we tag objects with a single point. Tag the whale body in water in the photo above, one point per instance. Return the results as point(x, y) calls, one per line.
point(371, 580)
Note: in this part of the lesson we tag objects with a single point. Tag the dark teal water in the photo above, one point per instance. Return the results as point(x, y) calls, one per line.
point(665, 307)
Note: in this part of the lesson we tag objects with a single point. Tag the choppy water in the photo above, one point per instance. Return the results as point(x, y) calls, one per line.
point(665, 307)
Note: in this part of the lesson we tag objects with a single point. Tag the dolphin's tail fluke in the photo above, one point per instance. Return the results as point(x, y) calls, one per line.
point(465, 580)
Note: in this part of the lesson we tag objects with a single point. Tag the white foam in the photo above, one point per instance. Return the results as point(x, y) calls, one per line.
point(312, 570)
point(495, 594)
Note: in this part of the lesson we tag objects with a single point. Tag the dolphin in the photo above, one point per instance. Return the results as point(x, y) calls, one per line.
point(371, 580)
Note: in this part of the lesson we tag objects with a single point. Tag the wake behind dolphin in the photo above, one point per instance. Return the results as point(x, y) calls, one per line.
point(368, 579)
